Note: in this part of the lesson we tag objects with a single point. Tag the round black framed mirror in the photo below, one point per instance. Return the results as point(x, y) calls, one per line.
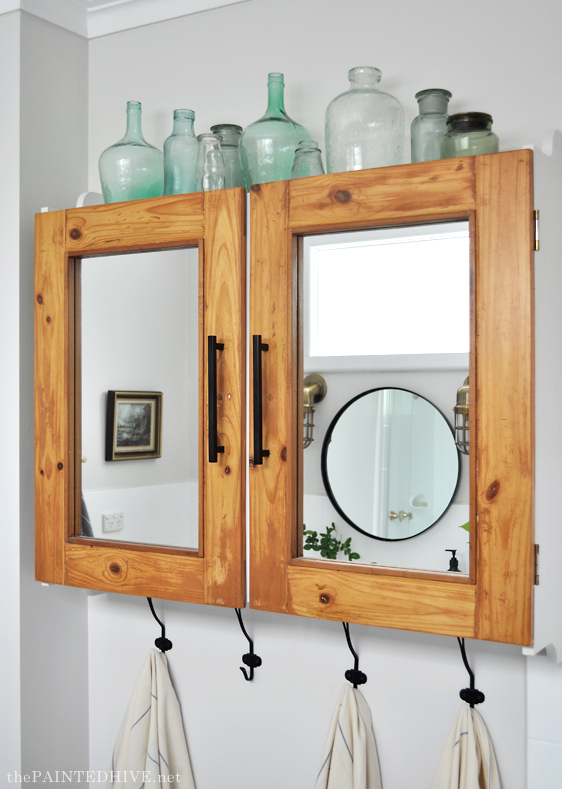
point(389, 463)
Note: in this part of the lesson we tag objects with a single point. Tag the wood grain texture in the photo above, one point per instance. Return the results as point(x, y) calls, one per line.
point(505, 396)
point(52, 448)
point(273, 316)
point(495, 193)
point(224, 316)
point(215, 223)
point(158, 223)
point(129, 571)
point(405, 603)
point(384, 195)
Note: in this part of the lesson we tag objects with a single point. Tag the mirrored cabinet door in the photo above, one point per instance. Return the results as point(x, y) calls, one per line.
point(391, 468)
point(140, 397)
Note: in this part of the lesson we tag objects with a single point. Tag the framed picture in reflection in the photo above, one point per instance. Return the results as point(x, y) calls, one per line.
point(133, 425)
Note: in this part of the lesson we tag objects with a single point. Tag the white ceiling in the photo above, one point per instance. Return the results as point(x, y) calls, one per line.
point(93, 18)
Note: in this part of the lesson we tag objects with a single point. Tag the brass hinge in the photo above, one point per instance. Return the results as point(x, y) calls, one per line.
point(537, 549)
point(537, 246)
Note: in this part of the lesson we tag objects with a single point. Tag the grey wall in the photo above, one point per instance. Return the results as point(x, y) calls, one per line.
point(52, 172)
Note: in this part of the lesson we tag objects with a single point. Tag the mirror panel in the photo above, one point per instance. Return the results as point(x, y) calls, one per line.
point(388, 309)
point(140, 334)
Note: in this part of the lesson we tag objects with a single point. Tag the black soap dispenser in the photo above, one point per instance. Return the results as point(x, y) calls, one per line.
point(453, 562)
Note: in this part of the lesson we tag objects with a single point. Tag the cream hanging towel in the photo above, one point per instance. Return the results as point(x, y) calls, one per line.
point(151, 741)
point(350, 758)
point(468, 761)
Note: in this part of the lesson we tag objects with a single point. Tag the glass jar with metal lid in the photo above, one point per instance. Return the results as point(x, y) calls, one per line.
point(469, 133)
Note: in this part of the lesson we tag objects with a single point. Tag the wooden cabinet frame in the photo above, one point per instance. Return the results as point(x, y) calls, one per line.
point(494, 602)
point(215, 223)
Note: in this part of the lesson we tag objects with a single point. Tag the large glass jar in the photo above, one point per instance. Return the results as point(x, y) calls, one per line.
point(132, 169)
point(267, 147)
point(429, 128)
point(229, 134)
point(180, 155)
point(364, 125)
point(468, 134)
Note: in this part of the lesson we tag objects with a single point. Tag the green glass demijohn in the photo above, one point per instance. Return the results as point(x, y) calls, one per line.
point(180, 155)
point(131, 169)
point(267, 147)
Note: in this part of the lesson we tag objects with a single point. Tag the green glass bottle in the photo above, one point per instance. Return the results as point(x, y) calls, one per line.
point(229, 134)
point(267, 147)
point(308, 160)
point(180, 155)
point(132, 169)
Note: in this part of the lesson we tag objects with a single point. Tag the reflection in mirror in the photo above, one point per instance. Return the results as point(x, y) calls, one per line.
point(138, 336)
point(389, 464)
point(388, 309)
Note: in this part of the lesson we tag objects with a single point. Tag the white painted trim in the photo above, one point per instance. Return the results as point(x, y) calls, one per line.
point(94, 18)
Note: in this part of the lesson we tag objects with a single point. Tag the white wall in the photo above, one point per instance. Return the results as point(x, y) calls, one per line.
point(52, 171)
point(496, 58)
point(10, 753)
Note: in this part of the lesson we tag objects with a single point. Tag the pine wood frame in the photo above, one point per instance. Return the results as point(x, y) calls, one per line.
point(215, 222)
point(494, 602)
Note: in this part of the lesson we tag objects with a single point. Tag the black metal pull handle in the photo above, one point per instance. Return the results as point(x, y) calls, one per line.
point(213, 347)
point(259, 452)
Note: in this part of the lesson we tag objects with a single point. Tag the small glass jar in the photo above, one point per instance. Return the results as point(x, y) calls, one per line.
point(469, 134)
point(210, 163)
point(429, 128)
point(229, 135)
point(308, 160)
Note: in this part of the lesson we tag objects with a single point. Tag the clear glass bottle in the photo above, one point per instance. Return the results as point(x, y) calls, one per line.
point(430, 126)
point(131, 169)
point(468, 134)
point(364, 125)
point(308, 160)
point(267, 147)
point(229, 135)
point(210, 164)
point(180, 155)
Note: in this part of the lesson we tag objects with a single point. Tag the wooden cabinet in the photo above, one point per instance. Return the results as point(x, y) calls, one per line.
point(494, 600)
point(213, 222)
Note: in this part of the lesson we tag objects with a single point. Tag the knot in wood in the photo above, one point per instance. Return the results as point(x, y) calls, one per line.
point(60, 466)
point(493, 490)
point(256, 188)
point(284, 454)
point(227, 469)
point(48, 318)
point(342, 196)
point(115, 568)
point(75, 234)
point(324, 598)
point(39, 298)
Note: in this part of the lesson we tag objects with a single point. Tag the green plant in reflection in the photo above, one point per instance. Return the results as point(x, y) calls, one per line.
point(328, 545)
point(465, 526)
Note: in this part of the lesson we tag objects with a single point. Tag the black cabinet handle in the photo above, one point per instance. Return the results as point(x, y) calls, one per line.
point(213, 347)
point(257, 347)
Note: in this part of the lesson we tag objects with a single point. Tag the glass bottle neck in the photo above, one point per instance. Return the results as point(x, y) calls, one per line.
point(134, 129)
point(276, 101)
point(183, 126)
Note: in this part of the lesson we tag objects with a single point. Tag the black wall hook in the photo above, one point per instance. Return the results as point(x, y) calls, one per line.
point(353, 675)
point(163, 643)
point(250, 658)
point(470, 695)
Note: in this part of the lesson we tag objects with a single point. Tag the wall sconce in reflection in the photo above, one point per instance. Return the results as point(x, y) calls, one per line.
point(461, 419)
point(315, 389)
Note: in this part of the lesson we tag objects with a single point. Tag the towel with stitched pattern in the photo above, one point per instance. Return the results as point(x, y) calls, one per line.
point(468, 760)
point(350, 759)
point(151, 741)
